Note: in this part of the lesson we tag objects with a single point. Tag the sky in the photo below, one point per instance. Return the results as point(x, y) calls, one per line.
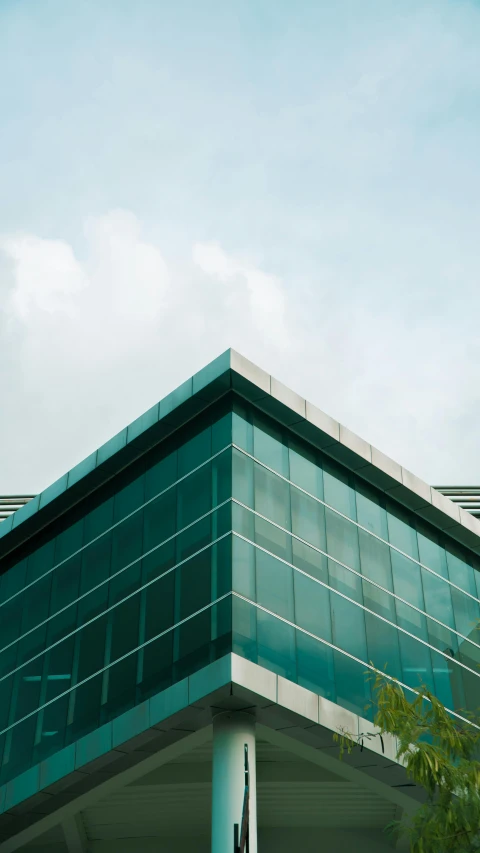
point(299, 181)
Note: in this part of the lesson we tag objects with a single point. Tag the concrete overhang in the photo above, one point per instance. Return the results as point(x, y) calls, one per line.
point(177, 720)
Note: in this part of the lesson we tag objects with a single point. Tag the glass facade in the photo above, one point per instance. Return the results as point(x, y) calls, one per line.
point(232, 535)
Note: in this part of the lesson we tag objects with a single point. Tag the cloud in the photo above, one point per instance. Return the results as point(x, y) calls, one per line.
point(102, 333)
point(265, 293)
point(47, 275)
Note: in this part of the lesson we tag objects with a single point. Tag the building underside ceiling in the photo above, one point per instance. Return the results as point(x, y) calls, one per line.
point(175, 801)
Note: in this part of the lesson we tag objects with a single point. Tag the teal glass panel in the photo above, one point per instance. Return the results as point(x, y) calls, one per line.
point(243, 521)
point(222, 433)
point(194, 452)
point(242, 428)
point(192, 639)
point(66, 583)
point(338, 490)
point(402, 534)
point(194, 495)
point(315, 666)
point(274, 585)
point(272, 497)
point(161, 475)
point(466, 612)
point(348, 627)
point(379, 602)
point(160, 519)
point(407, 580)
point(431, 551)
point(14, 580)
point(68, 542)
point(268, 445)
point(244, 629)
point(273, 539)
point(276, 645)
point(342, 539)
point(352, 684)
point(375, 560)
point(416, 663)
point(371, 513)
point(157, 669)
point(159, 606)
point(124, 583)
point(308, 560)
point(382, 646)
point(222, 477)
point(345, 581)
point(305, 469)
point(242, 474)
point(127, 541)
point(438, 599)
point(98, 520)
point(96, 562)
point(442, 677)
point(121, 679)
point(41, 561)
point(243, 567)
point(194, 538)
point(460, 572)
point(312, 607)
point(194, 584)
point(411, 620)
point(308, 519)
point(128, 499)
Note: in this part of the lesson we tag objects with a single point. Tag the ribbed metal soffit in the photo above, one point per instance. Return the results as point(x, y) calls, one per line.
point(10, 503)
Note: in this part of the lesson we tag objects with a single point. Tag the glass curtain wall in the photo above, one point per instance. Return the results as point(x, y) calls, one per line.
point(132, 594)
point(330, 577)
point(231, 535)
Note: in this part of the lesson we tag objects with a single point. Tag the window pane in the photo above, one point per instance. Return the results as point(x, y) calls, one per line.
point(194, 452)
point(268, 446)
point(432, 554)
point(348, 627)
point(276, 645)
point(195, 584)
point(315, 666)
point(127, 541)
point(273, 539)
point(244, 568)
point(312, 607)
point(353, 686)
point(382, 644)
point(242, 484)
point(338, 490)
point(438, 601)
point(308, 519)
point(195, 495)
point(274, 585)
point(407, 581)
point(342, 539)
point(370, 511)
point(310, 561)
point(305, 470)
point(401, 532)
point(161, 475)
point(375, 560)
point(159, 519)
point(272, 497)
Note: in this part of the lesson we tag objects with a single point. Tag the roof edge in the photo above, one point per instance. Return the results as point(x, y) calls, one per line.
point(232, 371)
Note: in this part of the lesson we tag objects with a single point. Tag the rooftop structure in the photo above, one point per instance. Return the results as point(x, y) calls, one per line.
point(220, 575)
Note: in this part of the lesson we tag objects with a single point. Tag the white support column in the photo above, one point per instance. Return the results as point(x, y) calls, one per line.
point(231, 731)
